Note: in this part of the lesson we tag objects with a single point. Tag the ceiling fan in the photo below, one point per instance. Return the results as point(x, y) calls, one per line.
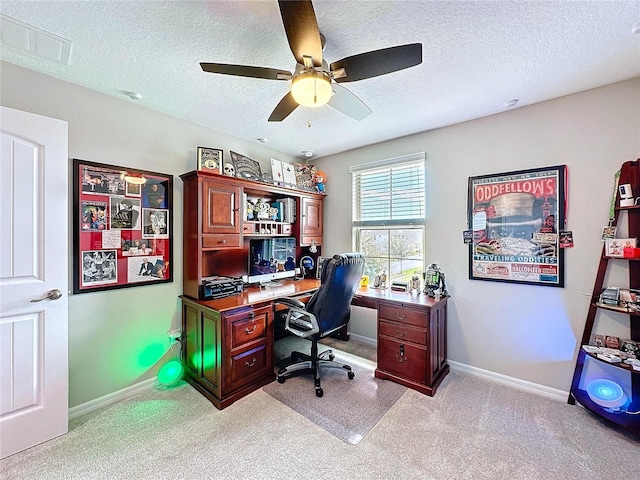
point(314, 82)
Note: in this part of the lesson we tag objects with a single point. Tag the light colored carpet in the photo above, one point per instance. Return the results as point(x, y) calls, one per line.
point(349, 409)
point(471, 429)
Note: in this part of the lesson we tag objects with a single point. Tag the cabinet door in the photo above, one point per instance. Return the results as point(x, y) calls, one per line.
point(311, 221)
point(201, 346)
point(211, 345)
point(221, 208)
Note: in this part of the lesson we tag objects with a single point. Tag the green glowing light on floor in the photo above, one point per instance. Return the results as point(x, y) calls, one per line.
point(170, 372)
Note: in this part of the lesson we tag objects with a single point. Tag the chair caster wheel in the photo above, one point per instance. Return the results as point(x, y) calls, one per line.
point(319, 392)
point(280, 379)
point(351, 375)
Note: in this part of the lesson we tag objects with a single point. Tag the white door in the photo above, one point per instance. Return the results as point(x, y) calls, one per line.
point(33, 264)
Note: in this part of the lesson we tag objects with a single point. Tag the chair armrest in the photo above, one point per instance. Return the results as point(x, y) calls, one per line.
point(301, 323)
point(290, 302)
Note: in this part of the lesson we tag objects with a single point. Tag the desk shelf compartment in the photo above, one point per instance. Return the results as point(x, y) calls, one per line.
point(265, 228)
point(215, 221)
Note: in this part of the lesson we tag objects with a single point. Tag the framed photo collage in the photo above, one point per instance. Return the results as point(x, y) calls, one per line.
point(122, 227)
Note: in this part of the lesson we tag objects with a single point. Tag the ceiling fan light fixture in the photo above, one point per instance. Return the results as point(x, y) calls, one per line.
point(311, 88)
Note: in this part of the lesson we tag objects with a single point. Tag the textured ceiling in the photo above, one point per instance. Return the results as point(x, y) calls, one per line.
point(476, 56)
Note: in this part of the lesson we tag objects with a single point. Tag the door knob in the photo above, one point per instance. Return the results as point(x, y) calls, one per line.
point(54, 294)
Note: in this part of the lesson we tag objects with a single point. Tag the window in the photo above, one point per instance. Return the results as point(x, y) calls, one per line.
point(389, 216)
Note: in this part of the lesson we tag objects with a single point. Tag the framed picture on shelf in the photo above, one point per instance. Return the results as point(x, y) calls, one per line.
point(118, 230)
point(515, 218)
point(210, 160)
point(245, 167)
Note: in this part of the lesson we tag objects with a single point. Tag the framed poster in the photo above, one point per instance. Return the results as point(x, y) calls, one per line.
point(515, 218)
point(122, 227)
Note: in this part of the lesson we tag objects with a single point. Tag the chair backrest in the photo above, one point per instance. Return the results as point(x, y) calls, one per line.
point(340, 279)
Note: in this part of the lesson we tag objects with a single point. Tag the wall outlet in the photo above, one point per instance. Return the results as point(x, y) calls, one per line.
point(174, 335)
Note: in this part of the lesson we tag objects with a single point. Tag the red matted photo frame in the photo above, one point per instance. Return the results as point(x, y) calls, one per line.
point(122, 227)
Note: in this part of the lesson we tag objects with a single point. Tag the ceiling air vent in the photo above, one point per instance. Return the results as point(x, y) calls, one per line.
point(17, 34)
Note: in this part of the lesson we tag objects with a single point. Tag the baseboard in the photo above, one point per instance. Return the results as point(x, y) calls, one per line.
point(524, 385)
point(111, 398)
point(362, 339)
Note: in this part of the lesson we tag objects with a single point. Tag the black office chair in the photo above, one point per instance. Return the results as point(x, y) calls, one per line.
point(328, 310)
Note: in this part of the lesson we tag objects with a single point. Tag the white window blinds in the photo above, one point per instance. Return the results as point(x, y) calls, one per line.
point(390, 192)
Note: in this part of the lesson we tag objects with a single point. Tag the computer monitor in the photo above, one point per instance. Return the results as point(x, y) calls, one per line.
point(271, 259)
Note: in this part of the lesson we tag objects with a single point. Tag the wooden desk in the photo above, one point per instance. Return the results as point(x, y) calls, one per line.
point(412, 337)
point(228, 343)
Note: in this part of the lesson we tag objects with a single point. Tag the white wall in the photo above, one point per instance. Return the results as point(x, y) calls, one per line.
point(525, 332)
point(117, 337)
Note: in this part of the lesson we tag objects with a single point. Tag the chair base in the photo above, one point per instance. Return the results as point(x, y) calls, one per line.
point(305, 364)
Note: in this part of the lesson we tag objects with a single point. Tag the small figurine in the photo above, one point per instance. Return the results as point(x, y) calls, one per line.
point(434, 284)
point(415, 284)
point(273, 213)
point(319, 179)
point(262, 209)
point(229, 170)
point(250, 210)
point(383, 279)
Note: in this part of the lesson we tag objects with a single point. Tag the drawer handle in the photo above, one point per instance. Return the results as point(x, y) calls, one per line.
point(253, 329)
point(222, 241)
point(400, 317)
point(401, 357)
point(253, 362)
point(401, 334)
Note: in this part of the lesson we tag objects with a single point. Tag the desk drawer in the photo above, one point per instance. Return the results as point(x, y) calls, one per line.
point(247, 327)
point(247, 366)
point(398, 312)
point(221, 241)
point(403, 332)
point(403, 359)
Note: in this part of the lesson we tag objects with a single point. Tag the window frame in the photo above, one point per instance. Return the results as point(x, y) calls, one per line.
point(389, 225)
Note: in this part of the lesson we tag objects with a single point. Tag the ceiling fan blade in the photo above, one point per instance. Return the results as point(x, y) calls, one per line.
point(379, 62)
point(284, 108)
point(246, 71)
point(301, 26)
point(348, 103)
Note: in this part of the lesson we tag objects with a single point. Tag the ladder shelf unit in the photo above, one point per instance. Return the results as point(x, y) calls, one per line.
point(597, 383)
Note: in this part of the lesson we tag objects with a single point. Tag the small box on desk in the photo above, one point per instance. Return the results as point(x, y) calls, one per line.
point(631, 252)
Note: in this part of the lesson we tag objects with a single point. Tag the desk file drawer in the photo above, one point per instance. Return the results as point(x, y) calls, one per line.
point(404, 359)
point(247, 365)
point(403, 332)
point(401, 314)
